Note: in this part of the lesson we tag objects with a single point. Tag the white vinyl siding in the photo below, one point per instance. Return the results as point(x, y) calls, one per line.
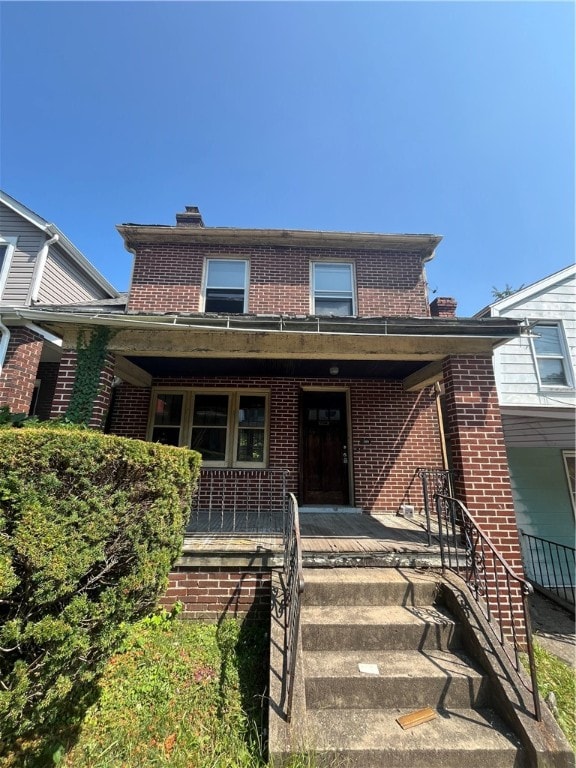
point(63, 283)
point(28, 241)
point(515, 367)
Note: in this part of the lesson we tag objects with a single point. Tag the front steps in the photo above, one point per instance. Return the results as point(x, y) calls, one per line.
point(391, 621)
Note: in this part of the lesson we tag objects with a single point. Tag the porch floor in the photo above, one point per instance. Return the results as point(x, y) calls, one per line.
point(327, 539)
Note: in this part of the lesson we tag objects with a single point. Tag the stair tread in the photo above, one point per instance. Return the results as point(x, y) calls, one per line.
point(374, 614)
point(391, 664)
point(458, 730)
point(366, 576)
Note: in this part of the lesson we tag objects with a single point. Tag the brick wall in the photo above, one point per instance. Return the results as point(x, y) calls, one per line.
point(20, 369)
point(393, 432)
point(65, 387)
point(214, 593)
point(168, 278)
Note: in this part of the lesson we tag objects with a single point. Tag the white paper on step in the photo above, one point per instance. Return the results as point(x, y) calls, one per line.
point(369, 669)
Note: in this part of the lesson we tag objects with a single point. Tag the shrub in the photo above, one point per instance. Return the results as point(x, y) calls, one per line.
point(89, 527)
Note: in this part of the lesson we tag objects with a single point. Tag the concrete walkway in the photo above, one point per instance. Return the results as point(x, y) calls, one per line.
point(554, 628)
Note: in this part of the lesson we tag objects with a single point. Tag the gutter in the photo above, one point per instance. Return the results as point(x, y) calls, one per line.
point(39, 270)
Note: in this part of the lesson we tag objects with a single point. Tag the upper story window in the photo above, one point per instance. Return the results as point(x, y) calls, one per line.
point(333, 289)
point(550, 353)
point(7, 245)
point(228, 427)
point(226, 286)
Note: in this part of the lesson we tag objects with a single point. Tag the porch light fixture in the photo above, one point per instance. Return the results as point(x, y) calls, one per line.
point(334, 370)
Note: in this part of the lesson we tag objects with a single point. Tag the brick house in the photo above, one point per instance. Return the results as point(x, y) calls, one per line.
point(307, 355)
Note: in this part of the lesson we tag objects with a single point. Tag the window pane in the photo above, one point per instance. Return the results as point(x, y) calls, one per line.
point(210, 442)
point(547, 341)
point(252, 411)
point(166, 435)
point(339, 307)
point(222, 300)
point(168, 410)
point(210, 410)
point(3, 249)
point(333, 278)
point(226, 274)
point(251, 445)
point(551, 371)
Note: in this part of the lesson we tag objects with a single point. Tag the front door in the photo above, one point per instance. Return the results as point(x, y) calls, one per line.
point(325, 449)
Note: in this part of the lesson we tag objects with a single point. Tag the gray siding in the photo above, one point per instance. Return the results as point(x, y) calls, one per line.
point(30, 240)
point(514, 362)
point(63, 283)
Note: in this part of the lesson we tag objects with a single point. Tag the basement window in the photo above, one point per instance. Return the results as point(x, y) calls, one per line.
point(226, 289)
point(228, 427)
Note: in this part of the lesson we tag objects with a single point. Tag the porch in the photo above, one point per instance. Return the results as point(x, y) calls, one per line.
point(328, 539)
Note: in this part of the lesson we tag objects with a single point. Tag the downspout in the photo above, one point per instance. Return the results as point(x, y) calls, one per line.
point(39, 271)
point(4, 341)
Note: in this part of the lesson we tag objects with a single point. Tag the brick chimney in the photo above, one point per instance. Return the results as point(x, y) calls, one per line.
point(190, 218)
point(443, 307)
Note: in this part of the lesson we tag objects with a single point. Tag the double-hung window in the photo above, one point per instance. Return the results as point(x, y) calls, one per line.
point(228, 427)
point(550, 354)
point(226, 288)
point(333, 289)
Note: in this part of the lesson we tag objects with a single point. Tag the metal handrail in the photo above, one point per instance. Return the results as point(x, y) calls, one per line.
point(550, 566)
point(434, 481)
point(294, 581)
point(468, 552)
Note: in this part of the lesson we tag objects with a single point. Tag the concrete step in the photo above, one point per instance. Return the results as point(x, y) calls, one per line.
point(368, 586)
point(370, 738)
point(369, 628)
point(413, 679)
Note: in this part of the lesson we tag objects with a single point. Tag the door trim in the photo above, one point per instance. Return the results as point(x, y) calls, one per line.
point(320, 388)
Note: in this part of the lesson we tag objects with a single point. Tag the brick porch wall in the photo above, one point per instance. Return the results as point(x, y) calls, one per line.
point(65, 387)
point(20, 369)
point(393, 432)
point(168, 278)
point(214, 593)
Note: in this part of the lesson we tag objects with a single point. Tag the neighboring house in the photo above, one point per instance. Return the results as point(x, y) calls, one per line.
point(38, 265)
point(535, 376)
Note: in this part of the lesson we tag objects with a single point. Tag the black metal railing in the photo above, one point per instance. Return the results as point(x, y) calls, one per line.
point(550, 566)
point(501, 594)
point(434, 481)
point(239, 501)
point(294, 585)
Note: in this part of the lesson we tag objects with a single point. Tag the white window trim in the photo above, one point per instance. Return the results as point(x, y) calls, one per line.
point(232, 427)
point(569, 456)
point(246, 263)
point(10, 242)
point(348, 263)
point(566, 360)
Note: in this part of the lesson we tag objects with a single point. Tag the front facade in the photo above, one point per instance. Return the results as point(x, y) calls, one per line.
point(298, 361)
point(535, 375)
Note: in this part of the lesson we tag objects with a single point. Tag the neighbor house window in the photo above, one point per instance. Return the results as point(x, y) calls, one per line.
point(332, 289)
point(7, 246)
point(551, 355)
point(226, 286)
point(229, 428)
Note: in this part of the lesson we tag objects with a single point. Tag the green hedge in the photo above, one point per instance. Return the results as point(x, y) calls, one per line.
point(89, 527)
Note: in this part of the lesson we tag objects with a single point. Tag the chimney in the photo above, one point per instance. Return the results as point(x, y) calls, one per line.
point(443, 307)
point(190, 218)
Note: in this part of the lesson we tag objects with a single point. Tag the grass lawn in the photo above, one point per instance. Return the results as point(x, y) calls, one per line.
point(557, 677)
point(180, 694)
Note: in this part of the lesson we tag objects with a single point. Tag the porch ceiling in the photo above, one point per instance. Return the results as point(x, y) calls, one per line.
point(184, 367)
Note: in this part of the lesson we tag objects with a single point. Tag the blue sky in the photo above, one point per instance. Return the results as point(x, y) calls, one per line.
point(452, 118)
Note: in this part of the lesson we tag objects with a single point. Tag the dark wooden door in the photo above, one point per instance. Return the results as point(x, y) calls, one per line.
point(324, 448)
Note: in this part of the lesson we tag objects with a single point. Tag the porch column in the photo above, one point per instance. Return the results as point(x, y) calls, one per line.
point(20, 369)
point(482, 479)
point(65, 388)
point(129, 417)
